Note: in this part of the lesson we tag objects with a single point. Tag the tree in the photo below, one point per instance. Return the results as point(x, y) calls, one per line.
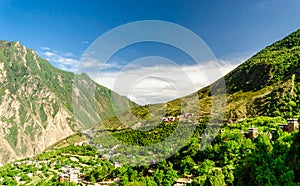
point(187, 165)
point(158, 176)
point(206, 167)
point(199, 180)
point(124, 180)
point(134, 175)
point(149, 181)
point(228, 174)
point(136, 183)
point(58, 166)
point(216, 178)
point(170, 176)
point(92, 178)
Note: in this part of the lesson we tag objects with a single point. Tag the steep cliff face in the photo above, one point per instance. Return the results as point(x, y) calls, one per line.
point(36, 102)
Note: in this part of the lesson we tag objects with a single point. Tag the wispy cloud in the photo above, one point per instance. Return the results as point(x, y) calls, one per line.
point(84, 42)
point(62, 60)
point(162, 83)
point(150, 82)
point(44, 48)
point(91, 65)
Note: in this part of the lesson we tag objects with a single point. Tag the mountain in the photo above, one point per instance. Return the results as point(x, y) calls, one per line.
point(36, 105)
point(268, 82)
point(265, 85)
point(36, 98)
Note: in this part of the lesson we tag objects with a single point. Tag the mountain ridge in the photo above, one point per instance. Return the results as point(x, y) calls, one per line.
point(36, 102)
point(266, 74)
point(265, 85)
point(260, 86)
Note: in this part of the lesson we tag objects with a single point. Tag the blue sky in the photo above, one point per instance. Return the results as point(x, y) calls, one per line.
point(228, 27)
point(62, 30)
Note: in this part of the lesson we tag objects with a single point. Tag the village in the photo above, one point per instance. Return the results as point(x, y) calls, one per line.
point(72, 167)
point(290, 126)
point(69, 167)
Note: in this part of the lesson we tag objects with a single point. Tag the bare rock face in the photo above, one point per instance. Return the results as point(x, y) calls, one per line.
point(36, 103)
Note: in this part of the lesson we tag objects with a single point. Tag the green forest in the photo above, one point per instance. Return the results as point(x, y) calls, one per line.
point(232, 159)
point(258, 142)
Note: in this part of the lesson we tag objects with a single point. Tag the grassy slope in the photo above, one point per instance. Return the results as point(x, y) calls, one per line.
point(260, 86)
point(255, 87)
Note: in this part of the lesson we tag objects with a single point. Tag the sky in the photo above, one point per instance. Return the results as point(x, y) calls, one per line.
point(62, 31)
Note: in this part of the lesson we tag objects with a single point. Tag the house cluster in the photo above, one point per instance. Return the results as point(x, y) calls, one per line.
point(188, 115)
point(34, 163)
point(70, 174)
point(292, 125)
point(252, 133)
point(81, 143)
point(168, 119)
point(172, 119)
point(66, 173)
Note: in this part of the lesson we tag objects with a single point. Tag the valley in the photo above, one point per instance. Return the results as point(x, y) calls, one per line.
point(44, 141)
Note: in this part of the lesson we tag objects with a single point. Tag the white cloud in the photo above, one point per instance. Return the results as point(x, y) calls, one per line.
point(68, 54)
point(150, 82)
point(45, 48)
point(161, 83)
point(62, 60)
point(84, 42)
